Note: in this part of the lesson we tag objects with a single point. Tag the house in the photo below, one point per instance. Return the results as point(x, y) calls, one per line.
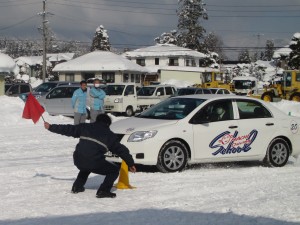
point(7, 67)
point(162, 56)
point(32, 65)
point(104, 65)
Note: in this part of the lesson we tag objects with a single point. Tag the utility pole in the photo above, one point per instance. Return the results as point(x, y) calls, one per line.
point(44, 40)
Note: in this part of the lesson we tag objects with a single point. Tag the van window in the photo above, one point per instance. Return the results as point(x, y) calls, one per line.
point(169, 91)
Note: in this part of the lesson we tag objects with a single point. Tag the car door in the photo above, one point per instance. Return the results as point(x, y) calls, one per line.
point(213, 134)
point(129, 98)
point(54, 102)
point(256, 122)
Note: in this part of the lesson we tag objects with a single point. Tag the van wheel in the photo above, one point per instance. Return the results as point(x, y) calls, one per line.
point(129, 111)
point(267, 96)
point(277, 153)
point(295, 97)
point(172, 157)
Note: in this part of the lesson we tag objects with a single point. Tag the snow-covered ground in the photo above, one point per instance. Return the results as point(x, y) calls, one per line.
point(37, 172)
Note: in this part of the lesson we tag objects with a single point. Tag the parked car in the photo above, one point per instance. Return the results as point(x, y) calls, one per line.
point(220, 91)
point(15, 89)
point(209, 128)
point(44, 88)
point(58, 100)
point(192, 91)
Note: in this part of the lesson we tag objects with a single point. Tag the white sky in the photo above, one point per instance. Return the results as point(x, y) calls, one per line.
point(136, 23)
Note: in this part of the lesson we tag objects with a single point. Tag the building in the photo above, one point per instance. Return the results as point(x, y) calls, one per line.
point(32, 65)
point(110, 67)
point(161, 56)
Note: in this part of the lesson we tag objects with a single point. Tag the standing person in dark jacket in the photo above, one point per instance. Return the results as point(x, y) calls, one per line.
point(95, 140)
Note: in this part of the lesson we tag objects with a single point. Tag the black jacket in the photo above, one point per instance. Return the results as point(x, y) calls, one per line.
point(95, 140)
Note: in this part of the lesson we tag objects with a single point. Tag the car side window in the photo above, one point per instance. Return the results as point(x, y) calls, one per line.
point(14, 89)
point(251, 110)
point(129, 90)
point(206, 91)
point(161, 90)
point(57, 93)
point(220, 110)
point(169, 91)
point(199, 91)
point(226, 92)
point(70, 91)
point(25, 88)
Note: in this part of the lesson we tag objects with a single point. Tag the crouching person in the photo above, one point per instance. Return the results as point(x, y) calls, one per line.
point(95, 139)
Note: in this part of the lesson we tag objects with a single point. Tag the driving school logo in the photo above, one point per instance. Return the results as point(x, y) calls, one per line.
point(227, 143)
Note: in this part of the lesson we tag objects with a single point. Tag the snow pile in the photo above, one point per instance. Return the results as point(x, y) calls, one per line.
point(178, 83)
point(37, 173)
point(7, 64)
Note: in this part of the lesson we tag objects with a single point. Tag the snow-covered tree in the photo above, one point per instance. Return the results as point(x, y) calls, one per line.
point(101, 40)
point(269, 50)
point(294, 61)
point(167, 38)
point(191, 32)
point(244, 56)
point(213, 43)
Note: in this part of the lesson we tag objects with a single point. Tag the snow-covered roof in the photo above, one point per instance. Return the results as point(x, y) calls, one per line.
point(7, 64)
point(285, 51)
point(60, 57)
point(99, 61)
point(29, 60)
point(160, 50)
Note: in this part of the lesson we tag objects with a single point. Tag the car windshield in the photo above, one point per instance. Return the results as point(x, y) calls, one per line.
point(146, 91)
point(243, 84)
point(172, 108)
point(45, 87)
point(114, 89)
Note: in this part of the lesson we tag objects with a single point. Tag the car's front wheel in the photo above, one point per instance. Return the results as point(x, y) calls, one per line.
point(277, 153)
point(172, 157)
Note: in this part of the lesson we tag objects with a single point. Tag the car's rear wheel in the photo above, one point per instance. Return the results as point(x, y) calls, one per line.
point(278, 153)
point(172, 157)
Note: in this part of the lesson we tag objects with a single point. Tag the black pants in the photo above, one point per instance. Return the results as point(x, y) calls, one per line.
point(110, 170)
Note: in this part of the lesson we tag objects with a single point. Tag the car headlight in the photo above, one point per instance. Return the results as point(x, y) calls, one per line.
point(118, 100)
point(141, 135)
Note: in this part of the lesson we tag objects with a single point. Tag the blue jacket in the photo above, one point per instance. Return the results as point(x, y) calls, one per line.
point(79, 101)
point(97, 96)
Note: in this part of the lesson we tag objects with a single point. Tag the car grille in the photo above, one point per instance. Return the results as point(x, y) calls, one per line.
point(109, 107)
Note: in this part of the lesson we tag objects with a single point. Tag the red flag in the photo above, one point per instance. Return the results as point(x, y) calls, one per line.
point(32, 110)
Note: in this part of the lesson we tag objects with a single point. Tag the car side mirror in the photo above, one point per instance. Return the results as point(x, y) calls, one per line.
point(158, 94)
point(9, 93)
point(48, 96)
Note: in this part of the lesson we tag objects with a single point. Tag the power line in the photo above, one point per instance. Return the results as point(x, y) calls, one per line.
point(115, 10)
point(254, 6)
point(16, 24)
point(126, 6)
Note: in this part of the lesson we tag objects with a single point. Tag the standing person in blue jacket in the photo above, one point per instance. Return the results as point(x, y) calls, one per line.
point(97, 96)
point(79, 103)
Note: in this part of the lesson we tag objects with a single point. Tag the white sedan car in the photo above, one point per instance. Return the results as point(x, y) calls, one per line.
point(209, 128)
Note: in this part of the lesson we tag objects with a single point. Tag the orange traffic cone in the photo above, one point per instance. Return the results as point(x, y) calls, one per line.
point(123, 182)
